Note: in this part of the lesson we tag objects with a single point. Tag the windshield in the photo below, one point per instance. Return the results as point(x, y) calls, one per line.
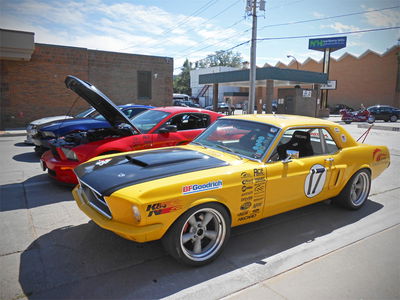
point(244, 138)
point(147, 120)
point(84, 113)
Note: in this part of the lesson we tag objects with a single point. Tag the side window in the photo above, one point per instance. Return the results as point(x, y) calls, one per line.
point(306, 141)
point(130, 113)
point(189, 121)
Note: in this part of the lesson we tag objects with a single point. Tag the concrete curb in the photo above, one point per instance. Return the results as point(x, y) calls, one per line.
point(380, 127)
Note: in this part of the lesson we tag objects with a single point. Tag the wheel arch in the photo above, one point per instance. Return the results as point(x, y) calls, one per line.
point(195, 204)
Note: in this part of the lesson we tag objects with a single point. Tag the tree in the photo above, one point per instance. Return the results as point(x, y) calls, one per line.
point(182, 81)
point(221, 58)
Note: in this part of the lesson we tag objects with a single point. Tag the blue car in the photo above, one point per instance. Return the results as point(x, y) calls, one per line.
point(61, 128)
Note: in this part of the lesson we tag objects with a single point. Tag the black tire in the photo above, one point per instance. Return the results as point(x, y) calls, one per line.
point(205, 227)
point(393, 118)
point(40, 150)
point(347, 122)
point(355, 193)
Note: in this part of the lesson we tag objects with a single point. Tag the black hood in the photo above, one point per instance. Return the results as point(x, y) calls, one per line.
point(98, 100)
point(111, 174)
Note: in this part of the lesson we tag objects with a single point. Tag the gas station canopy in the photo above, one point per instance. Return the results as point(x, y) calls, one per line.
point(281, 77)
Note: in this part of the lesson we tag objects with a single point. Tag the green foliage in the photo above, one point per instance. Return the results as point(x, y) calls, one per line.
point(221, 58)
point(182, 81)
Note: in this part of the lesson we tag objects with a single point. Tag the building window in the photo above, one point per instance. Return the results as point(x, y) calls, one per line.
point(144, 85)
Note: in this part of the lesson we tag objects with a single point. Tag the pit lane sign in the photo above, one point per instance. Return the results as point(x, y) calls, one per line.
point(332, 43)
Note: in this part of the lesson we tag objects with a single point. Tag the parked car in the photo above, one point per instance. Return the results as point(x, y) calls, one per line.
point(384, 112)
point(154, 128)
point(184, 103)
point(53, 130)
point(240, 170)
point(222, 108)
point(31, 129)
point(355, 116)
point(338, 107)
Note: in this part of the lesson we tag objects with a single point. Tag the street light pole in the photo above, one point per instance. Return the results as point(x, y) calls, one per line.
point(297, 63)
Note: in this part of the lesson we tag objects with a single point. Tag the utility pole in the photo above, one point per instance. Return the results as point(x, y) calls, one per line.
point(251, 9)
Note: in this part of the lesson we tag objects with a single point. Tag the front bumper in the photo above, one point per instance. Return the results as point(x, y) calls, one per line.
point(41, 142)
point(131, 232)
point(61, 170)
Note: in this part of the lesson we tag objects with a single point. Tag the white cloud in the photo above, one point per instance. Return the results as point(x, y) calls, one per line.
point(318, 15)
point(385, 18)
point(124, 26)
point(340, 27)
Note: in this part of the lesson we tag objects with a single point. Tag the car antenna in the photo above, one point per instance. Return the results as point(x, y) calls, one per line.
point(69, 111)
point(365, 134)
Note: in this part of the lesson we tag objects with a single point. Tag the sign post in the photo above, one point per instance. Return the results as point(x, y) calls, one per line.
point(328, 45)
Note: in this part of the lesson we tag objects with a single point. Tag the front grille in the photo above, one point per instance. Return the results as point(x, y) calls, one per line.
point(96, 201)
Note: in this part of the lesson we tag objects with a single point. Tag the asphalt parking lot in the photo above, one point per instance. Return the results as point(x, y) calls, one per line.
point(50, 249)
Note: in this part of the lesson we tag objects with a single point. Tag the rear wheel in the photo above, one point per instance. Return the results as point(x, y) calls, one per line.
point(347, 122)
point(393, 118)
point(199, 235)
point(356, 191)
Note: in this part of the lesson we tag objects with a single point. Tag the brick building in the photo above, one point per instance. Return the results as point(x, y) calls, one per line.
point(370, 78)
point(32, 78)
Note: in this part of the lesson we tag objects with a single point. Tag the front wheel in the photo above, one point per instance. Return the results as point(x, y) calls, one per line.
point(356, 191)
point(199, 235)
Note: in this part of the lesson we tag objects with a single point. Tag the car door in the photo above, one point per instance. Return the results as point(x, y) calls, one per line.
point(301, 181)
point(189, 126)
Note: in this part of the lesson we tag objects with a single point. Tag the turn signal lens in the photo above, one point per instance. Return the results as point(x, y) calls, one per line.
point(136, 213)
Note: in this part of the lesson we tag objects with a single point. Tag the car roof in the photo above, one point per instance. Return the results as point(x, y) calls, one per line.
point(283, 121)
point(183, 109)
point(135, 106)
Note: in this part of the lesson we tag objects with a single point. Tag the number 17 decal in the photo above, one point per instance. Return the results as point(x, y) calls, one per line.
point(315, 181)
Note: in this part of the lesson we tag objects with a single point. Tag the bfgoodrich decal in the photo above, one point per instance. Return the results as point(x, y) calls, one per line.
point(197, 188)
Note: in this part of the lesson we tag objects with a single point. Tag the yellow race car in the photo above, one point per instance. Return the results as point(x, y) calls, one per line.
point(240, 170)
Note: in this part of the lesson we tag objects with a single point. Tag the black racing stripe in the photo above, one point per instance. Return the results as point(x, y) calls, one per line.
point(109, 175)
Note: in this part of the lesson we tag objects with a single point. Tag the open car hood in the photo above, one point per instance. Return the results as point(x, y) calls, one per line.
point(99, 101)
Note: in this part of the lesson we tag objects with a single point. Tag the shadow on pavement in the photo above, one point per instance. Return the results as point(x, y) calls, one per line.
point(30, 157)
point(86, 261)
point(36, 191)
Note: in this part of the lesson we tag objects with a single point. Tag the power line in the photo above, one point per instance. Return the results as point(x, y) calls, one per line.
point(331, 17)
point(304, 36)
point(328, 34)
point(185, 20)
point(283, 24)
point(206, 21)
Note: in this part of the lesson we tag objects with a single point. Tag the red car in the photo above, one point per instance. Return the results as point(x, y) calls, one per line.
point(158, 127)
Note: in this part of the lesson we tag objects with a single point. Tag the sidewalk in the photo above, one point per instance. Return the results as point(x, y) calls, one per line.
point(13, 132)
point(367, 269)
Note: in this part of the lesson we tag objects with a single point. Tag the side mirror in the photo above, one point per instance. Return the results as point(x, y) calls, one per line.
point(291, 154)
point(168, 128)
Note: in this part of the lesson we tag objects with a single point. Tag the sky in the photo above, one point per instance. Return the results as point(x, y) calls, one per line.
point(193, 29)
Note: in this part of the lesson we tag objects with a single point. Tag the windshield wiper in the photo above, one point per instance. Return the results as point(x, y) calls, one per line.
point(229, 150)
point(200, 144)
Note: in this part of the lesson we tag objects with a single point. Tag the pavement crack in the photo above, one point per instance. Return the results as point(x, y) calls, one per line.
point(384, 192)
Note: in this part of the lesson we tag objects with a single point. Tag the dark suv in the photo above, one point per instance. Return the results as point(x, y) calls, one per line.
point(383, 112)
